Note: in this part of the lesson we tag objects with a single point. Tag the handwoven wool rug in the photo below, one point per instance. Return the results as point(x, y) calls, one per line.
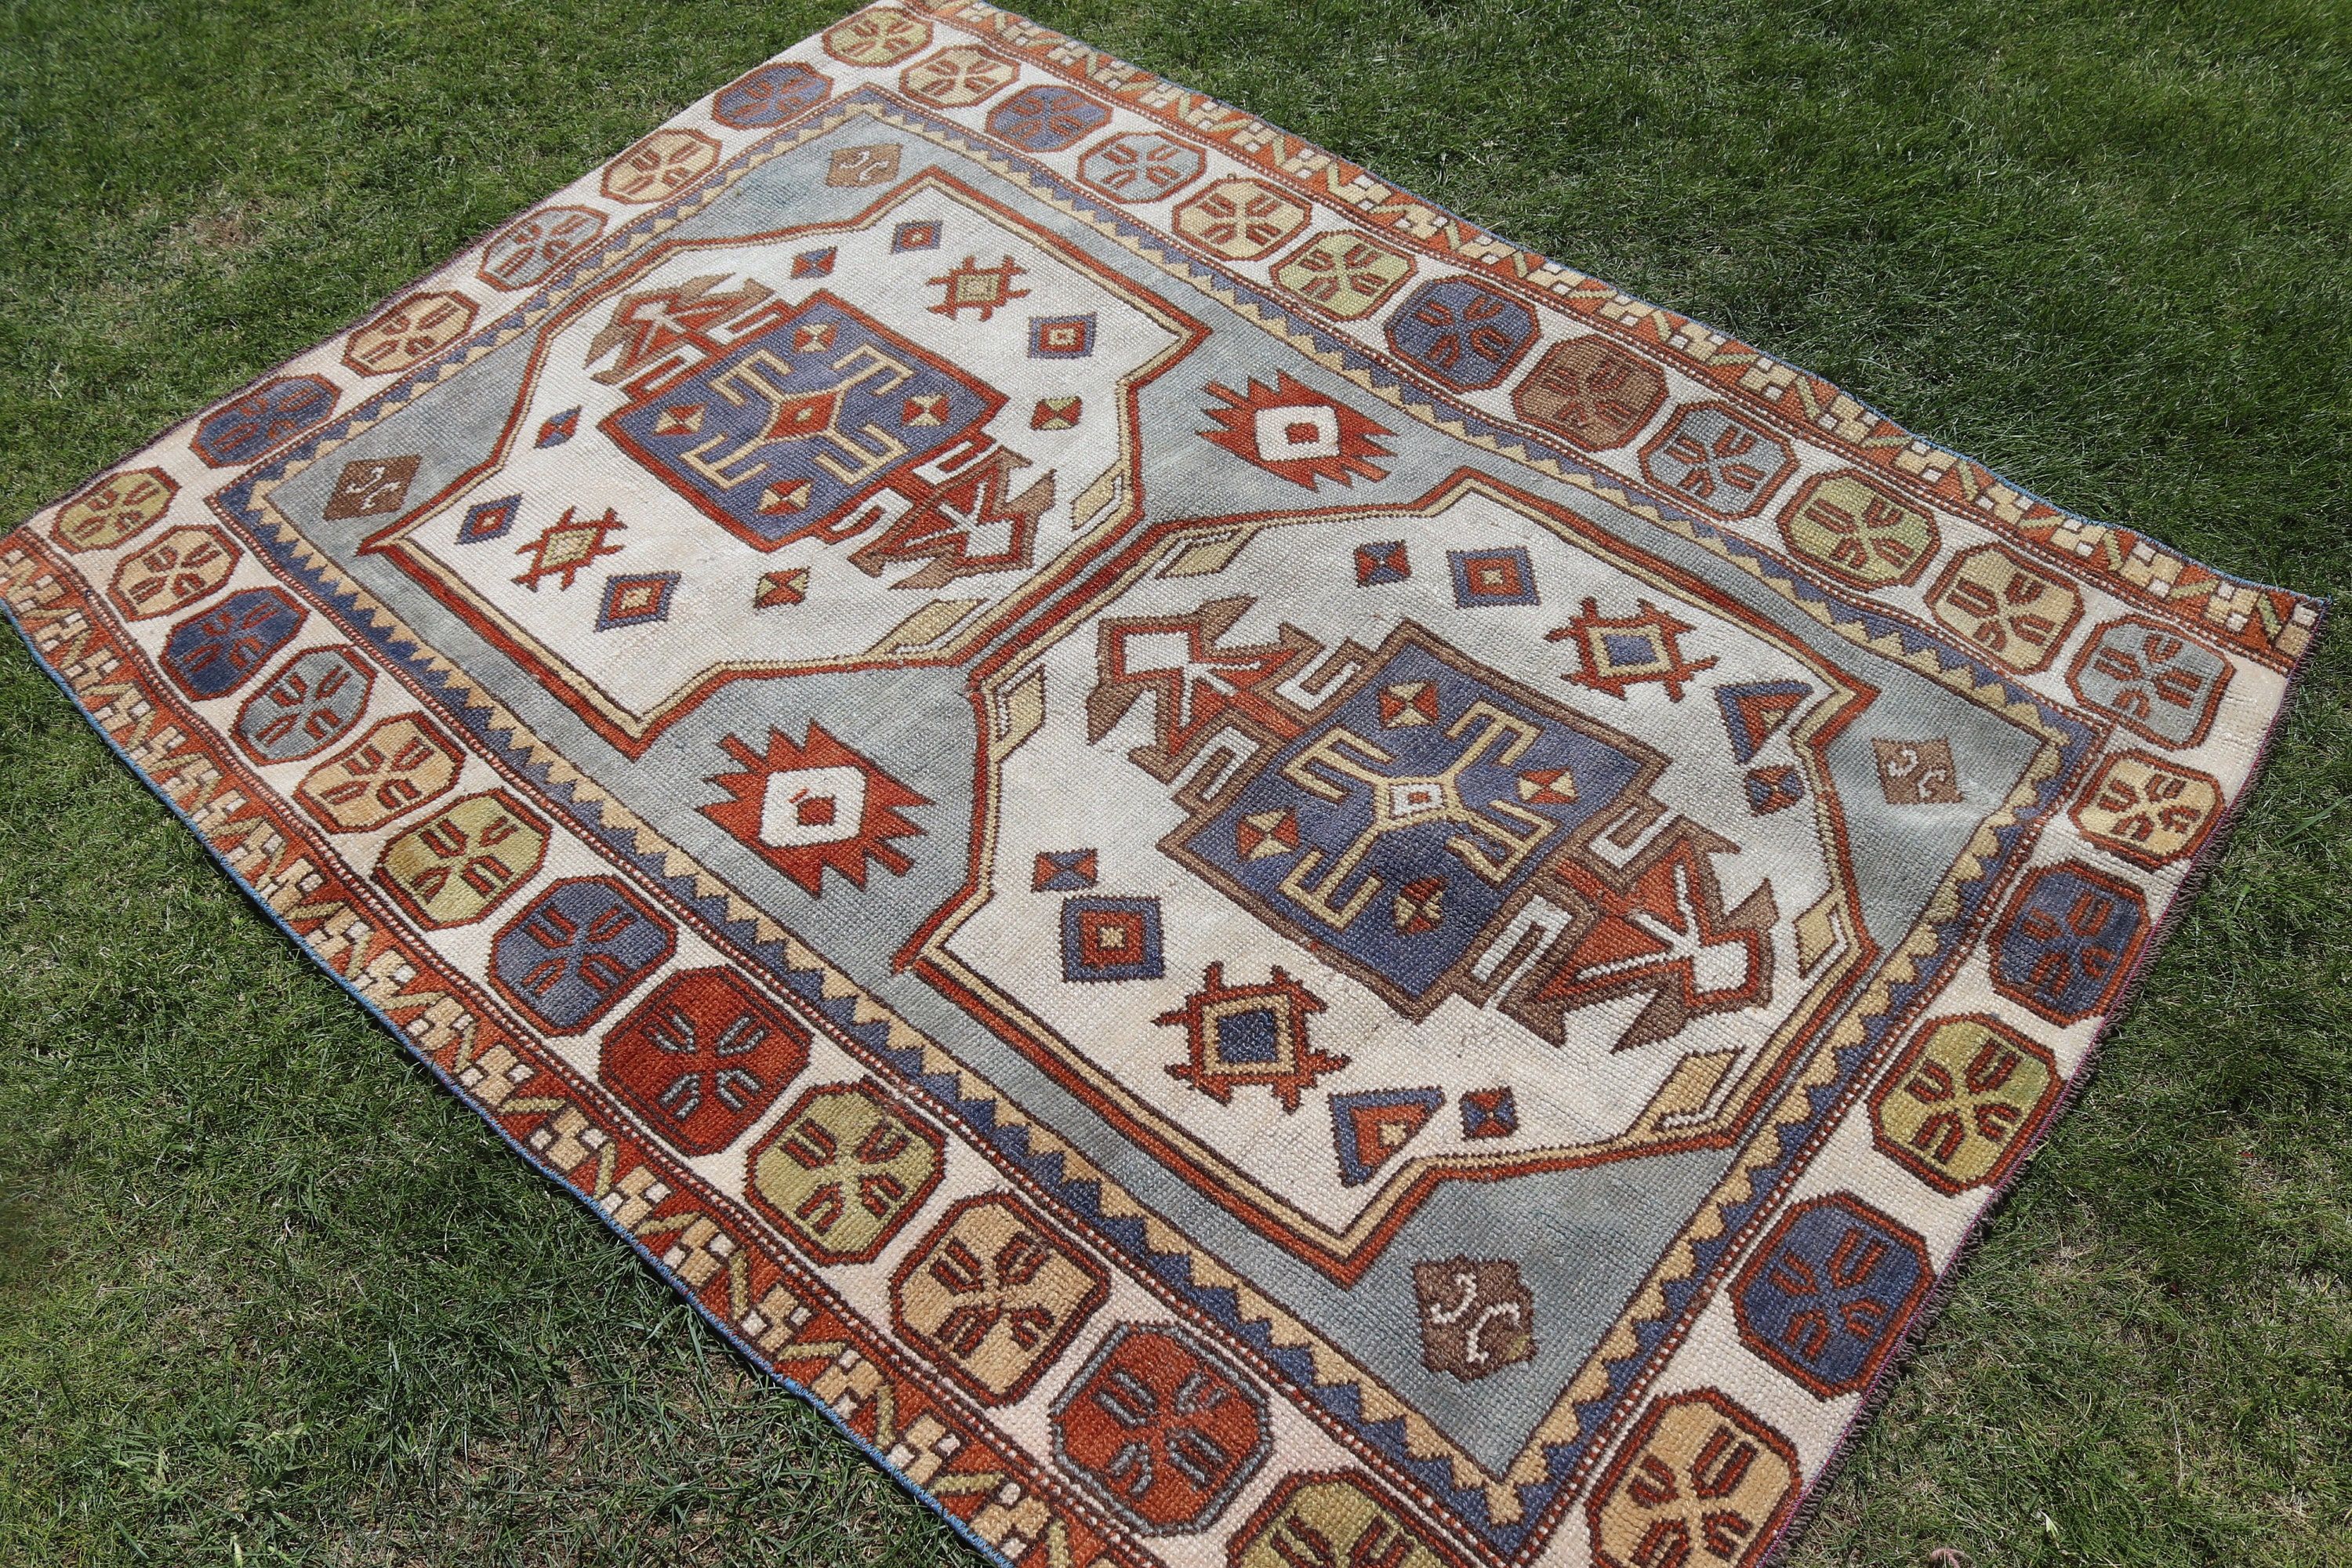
point(1258, 880)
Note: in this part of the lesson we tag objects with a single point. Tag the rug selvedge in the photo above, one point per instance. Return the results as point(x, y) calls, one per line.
point(915, 1230)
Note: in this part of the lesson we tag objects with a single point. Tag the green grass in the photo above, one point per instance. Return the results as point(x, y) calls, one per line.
point(267, 1294)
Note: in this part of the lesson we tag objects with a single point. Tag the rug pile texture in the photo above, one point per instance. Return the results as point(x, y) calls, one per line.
point(1260, 882)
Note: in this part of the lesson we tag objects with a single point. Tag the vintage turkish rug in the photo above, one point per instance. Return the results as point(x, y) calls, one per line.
point(1258, 880)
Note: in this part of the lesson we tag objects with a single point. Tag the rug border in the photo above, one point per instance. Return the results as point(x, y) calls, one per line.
point(2296, 670)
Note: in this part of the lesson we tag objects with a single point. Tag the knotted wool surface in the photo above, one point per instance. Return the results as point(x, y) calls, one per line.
point(1259, 880)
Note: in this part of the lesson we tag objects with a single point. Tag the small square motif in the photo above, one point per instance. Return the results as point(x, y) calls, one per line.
point(815, 263)
point(1110, 938)
point(635, 601)
point(921, 235)
point(1500, 576)
point(1056, 412)
point(1489, 1113)
point(1061, 337)
point(1377, 565)
point(1062, 870)
point(488, 520)
point(1248, 1037)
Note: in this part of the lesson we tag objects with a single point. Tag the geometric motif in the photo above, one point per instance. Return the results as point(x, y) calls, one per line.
point(1958, 1106)
point(558, 428)
point(462, 862)
point(702, 1057)
point(635, 601)
point(1062, 870)
point(1379, 564)
point(1141, 166)
point(1721, 464)
point(1489, 1113)
point(1615, 652)
point(844, 1169)
point(396, 766)
point(969, 287)
point(769, 95)
point(1294, 433)
point(1375, 802)
point(2157, 683)
point(1112, 939)
point(875, 38)
point(576, 949)
point(1162, 1429)
point(1239, 219)
point(114, 509)
point(1046, 119)
point(173, 571)
point(993, 1297)
point(274, 412)
point(1369, 1128)
point(2148, 810)
point(213, 654)
point(1825, 1297)
point(854, 168)
point(1476, 1318)
point(1753, 713)
point(525, 253)
point(371, 487)
point(307, 707)
point(806, 413)
point(1918, 773)
point(1589, 391)
point(488, 520)
point(2067, 940)
point(409, 332)
point(957, 77)
point(567, 546)
point(1462, 333)
point(1495, 576)
point(1240, 1035)
point(1854, 530)
point(1699, 1474)
point(1346, 274)
point(1665, 934)
point(1774, 788)
point(1061, 337)
point(789, 586)
point(807, 808)
point(2008, 610)
point(1336, 1519)
point(660, 167)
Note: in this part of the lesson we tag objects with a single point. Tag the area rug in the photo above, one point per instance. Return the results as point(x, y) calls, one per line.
point(1257, 880)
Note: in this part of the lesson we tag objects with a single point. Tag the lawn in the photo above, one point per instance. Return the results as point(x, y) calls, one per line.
point(266, 1294)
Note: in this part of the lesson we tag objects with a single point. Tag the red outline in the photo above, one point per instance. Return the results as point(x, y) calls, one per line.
point(2124, 960)
point(1743, 1420)
point(1067, 1330)
point(2029, 1123)
point(614, 999)
point(891, 1111)
point(1761, 1259)
point(1098, 593)
point(2097, 639)
point(2122, 848)
point(1950, 574)
point(1904, 578)
point(389, 540)
point(1680, 497)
